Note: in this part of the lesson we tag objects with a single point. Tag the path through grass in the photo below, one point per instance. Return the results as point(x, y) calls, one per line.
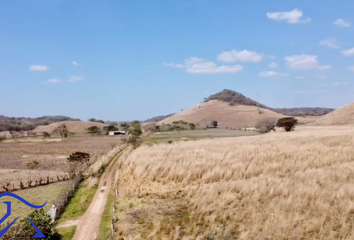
point(79, 203)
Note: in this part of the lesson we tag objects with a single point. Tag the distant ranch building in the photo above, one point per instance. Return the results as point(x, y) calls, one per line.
point(112, 133)
point(249, 129)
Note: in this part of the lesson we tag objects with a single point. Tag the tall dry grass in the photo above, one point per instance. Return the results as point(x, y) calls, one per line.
point(295, 185)
point(104, 159)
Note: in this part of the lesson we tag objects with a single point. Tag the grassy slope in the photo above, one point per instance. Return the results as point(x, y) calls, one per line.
point(196, 134)
point(37, 196)
point(66, 233)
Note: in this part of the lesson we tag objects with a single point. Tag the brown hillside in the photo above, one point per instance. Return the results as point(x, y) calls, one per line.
point(75, 127)
point(227, 116)
point(341, 116)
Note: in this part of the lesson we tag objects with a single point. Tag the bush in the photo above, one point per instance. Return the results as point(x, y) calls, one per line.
point(266, 125)
point(133, 140)
point(93, 130)
point(46, 135)
point(25, 230)
point(78, 161)
point(112, 128)
point(288, 123)
point(169, 141)
point(192, 126)
point(96, 120)
point(81, 157)
point(214, 124)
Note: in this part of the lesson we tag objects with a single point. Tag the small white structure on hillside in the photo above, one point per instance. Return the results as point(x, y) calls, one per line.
point(249, 129)
point(112, 133)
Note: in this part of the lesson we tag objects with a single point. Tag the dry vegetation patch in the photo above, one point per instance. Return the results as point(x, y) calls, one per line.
point(282, 185)
point(51, 158)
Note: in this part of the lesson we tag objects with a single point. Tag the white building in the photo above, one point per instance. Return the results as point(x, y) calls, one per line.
point(112, 133)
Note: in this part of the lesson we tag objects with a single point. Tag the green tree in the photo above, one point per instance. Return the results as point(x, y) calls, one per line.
point(100, 121)
point(25, 230)
point(93, 130)
point(124, 126)
point(192, 126)
point(288, 123)
point(112, 128)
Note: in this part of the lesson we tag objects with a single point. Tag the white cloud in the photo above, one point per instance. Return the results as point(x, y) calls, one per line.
point(330, 42)
point(351, 68)
point(39, 68)
point(273, 65)
point(304, 62)
point(201, 66)
point(75, 63)
point(272, 74)
point(342, 23)
point(293, 16)
point(76, 78)
point(242, 56)
point(299, 77)
point(348, 52)
point(272, 57)
point(53, 80)
point(340, 83)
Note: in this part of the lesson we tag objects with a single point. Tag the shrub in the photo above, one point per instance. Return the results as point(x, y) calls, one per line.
point(32, 164)
point(192, 126)
point(266, 125)
point(25, 230)
point(46, 135)
point(81, 157)
point(78, 161)
point(288, 123)
point(112, 128)
point(214, 123)
point(169, 141)
point(96, 120)
point(93, 130)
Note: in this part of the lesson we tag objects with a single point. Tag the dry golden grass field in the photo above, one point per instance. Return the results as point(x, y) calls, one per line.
point(296, 185)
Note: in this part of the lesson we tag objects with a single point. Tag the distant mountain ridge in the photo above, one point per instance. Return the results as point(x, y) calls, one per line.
point(27, 124)
point(234, 98)
point(158, 118)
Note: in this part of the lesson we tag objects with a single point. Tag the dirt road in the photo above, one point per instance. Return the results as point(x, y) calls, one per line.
point(88, 225)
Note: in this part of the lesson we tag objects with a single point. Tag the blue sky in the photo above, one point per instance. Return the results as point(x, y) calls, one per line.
point(126, 60)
